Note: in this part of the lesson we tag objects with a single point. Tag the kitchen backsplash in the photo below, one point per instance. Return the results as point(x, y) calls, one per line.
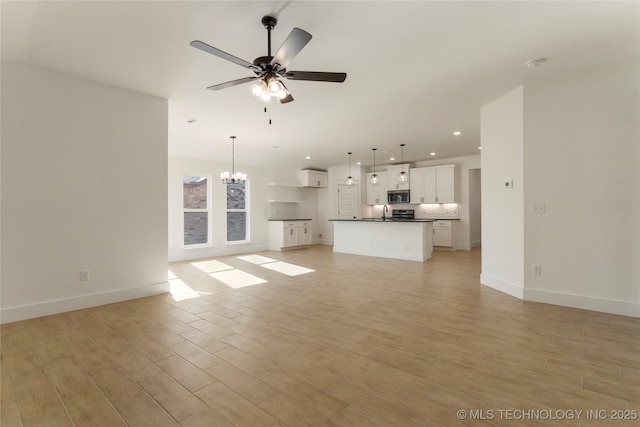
point(438, 211)
point(284, 210)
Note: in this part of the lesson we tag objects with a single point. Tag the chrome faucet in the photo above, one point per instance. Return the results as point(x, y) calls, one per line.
point(384, 209)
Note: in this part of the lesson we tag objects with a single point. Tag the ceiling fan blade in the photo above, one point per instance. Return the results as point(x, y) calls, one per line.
point(316, 76)
point(232, 83)
point(294, 43)
point(224, 55)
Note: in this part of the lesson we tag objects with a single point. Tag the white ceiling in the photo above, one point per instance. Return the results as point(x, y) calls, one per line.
point(417, 70)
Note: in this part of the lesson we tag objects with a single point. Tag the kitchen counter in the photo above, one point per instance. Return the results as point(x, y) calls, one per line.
point(399, 239)
point(292, 219)
point(384, 220)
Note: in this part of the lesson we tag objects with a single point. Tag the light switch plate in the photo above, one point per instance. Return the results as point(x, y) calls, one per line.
point(538, 208)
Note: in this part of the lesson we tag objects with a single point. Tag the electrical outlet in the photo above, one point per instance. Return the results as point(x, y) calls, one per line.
point(508, 184)
point(84, 275)
point(536, 270)
point(538, 208)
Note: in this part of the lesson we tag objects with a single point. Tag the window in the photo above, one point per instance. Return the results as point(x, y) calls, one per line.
point(237, 230)
point(195, 204)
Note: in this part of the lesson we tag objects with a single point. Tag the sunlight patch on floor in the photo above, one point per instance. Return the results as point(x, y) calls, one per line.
point(286, 268)
point(237, 278)
point(211, 266)
point(256, 259)
point(179, 290)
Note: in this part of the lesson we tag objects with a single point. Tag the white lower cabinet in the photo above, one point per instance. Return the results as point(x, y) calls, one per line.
point(444, 233)
point(289, 234)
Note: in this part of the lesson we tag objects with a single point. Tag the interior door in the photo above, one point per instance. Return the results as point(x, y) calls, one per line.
point(348, 207)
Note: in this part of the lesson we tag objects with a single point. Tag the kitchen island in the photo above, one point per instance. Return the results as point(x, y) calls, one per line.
point(406, 239)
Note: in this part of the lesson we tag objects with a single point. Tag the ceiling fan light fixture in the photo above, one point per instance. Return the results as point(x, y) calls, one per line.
point(258, 88)
point(275, 86)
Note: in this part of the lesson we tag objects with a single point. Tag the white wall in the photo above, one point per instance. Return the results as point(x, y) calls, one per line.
point(502, 208)
point(475, 207)
point(578, 151)
point(582, 159)
point(261, 191)
point(83, 188)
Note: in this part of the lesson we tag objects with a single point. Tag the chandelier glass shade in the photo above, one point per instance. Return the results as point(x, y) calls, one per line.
point(403, 177)
point(233, 177)
point(349, 180)
point(374, 179)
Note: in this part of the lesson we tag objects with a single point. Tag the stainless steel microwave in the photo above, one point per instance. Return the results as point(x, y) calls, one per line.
point(397, 196)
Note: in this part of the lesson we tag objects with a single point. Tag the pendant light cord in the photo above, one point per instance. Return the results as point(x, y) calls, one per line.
point(233, 156)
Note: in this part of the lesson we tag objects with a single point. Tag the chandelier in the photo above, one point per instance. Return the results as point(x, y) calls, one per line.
point(233, 177)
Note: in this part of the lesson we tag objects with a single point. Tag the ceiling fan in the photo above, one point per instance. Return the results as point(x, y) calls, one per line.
point(270, 69)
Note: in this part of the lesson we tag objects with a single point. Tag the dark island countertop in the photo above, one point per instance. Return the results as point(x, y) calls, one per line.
point(383, 220)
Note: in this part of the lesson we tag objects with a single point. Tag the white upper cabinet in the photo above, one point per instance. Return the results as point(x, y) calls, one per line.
point(423, 185)
point(445, 184)
point(311, 178)
point(377, 195)
point(392, 176)
point(433, 184)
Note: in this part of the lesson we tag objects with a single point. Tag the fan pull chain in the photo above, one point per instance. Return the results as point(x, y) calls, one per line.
point(265, 110)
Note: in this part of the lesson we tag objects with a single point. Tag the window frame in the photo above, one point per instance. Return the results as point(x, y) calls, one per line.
point(246, 211)
point(208, 211)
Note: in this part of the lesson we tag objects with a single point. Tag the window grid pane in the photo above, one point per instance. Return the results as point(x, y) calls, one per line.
point(194, 192)
point(236, 226)
point(235, 196)
point(196, 228)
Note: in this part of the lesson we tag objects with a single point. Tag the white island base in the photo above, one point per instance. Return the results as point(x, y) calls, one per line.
point(408, 240)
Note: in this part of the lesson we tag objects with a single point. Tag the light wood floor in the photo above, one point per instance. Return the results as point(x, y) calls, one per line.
point(358, 342)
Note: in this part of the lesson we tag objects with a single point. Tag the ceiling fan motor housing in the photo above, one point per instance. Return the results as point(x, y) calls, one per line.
point(269, 22)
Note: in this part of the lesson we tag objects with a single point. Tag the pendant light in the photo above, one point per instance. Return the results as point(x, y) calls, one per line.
point(374, 179)
point(234, 177)
point(349, 180)
point(403, 177)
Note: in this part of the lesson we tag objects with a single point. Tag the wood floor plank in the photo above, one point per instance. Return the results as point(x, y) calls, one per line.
point(236, 409)
point(346, 344)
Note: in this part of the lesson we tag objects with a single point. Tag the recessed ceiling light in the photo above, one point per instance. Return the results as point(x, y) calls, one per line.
point(392, 158)
point(433, 154)
point(358, 163)
point(191, 121)
point(457, 133)
point(535, 62)
point(479, 148)
point(308, 157)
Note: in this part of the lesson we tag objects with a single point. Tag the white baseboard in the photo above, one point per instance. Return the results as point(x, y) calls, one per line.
point(202, 253)
point(500, 285)
point(14, 314)
point(624, 308)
